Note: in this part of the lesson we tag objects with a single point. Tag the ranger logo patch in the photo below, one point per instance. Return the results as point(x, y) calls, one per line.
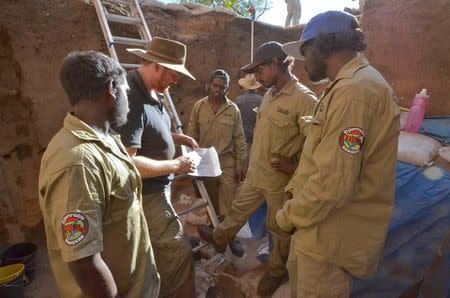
point(351, 139)
point(75, 227)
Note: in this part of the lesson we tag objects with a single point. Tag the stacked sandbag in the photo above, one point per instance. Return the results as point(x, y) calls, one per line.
point(444, 152)
point(417, 149)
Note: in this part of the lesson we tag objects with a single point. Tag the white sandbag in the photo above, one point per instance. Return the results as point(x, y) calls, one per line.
point(417, 149)
point(444, 152)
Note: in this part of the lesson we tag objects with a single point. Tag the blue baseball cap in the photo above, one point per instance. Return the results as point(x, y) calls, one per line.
point(324, 23)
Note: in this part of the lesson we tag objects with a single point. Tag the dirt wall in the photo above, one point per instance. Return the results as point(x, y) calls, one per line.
point(36, 35)
point(407, 42)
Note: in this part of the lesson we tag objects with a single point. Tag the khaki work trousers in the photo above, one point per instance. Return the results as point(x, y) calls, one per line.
point(173, 254)
point(309, 278)
point(248, 200)
point(222, 191)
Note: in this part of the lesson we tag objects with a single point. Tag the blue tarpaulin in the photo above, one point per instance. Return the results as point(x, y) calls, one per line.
point(438, 128)
point(420, 222)
point(421, 219)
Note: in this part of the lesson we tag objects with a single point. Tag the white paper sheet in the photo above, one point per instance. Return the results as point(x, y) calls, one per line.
point(206, 160)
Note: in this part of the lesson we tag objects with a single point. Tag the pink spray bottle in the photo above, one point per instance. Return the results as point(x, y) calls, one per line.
point(417, 111)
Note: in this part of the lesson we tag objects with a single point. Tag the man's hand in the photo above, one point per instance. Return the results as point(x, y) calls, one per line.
point(182, 139)
point(282, 164)
point(185, 165)
point(286, 197)
point(239, 175)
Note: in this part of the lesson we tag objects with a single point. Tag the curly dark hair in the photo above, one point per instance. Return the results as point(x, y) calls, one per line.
point(221, 74)
point(84, 74)
point(327, 44)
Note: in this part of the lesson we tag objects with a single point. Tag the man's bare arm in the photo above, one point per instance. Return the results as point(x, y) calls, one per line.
point(94, 277)
point(149, 168)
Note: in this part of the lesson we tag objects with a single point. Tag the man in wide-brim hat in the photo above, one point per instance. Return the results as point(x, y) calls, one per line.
point(151, 145)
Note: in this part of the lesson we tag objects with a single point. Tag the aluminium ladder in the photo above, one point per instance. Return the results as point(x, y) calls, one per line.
point(129, 13)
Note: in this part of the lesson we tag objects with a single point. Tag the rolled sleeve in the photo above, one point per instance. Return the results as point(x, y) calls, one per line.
point(76, 210)
point(337, 159)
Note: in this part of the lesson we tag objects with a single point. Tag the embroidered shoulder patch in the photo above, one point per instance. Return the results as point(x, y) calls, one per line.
point(351, 139)
point(75, 227)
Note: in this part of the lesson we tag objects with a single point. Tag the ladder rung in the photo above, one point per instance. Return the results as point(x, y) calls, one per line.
point(122, 19)
point(123, 2)
point(181, 213)
point(129, 65)
point(200, 246)
point(130, 41)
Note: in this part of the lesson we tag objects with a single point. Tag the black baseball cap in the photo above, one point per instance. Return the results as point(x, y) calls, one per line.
point(268, 50)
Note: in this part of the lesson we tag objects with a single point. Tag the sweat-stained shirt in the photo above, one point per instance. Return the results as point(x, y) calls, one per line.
point(222, 129)
point(90, 197)
point(278, 130)
point(344, 189)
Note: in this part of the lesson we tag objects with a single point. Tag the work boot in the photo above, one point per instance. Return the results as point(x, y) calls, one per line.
point(205, 233)
point(236, 248)
point(268, 284)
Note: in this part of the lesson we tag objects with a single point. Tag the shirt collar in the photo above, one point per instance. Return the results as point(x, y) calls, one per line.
point(141, 86)
point(288, 89)
point(349, 69)
point(84, 132)
point(224, 106)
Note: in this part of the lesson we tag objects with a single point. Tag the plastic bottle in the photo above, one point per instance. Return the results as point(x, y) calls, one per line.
point(417, 111)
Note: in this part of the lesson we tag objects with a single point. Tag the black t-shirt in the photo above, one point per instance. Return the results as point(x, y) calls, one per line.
point(147, 129)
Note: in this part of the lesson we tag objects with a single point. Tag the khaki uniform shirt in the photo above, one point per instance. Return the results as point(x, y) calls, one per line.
point(223, 130)
point(90, 196)
point(343, 193)
point(279, 130)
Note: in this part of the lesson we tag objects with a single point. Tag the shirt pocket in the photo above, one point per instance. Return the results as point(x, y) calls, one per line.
point(281, 128)
point(203, 126)
point(122, 197)
point(313, 127)
point(279, 120)
point(226, 127)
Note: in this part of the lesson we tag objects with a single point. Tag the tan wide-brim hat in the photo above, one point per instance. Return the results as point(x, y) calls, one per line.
point(249, 82)
point(166, 52)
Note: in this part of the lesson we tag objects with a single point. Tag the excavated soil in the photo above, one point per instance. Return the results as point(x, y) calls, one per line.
point(408, 43)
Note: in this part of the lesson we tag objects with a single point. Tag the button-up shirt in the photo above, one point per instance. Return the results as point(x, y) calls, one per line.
point(343, 193)
point(90, 197)
point(221, 130)
point(279, 130)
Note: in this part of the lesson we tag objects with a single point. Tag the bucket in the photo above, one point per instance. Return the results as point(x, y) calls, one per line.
point(21, 253)
point(12, 281)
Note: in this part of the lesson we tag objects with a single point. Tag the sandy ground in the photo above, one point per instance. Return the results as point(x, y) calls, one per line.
point(246, 277)
point(43, 285)
point(241, 282)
